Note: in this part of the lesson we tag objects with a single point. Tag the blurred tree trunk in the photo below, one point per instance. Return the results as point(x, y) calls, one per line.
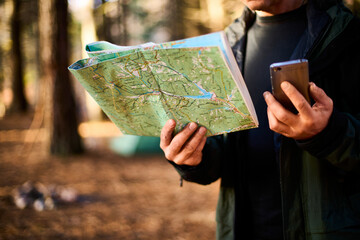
point(58, 99)
point(176, 19)
point(107, 36)
point(19, 103)
point(123, 12)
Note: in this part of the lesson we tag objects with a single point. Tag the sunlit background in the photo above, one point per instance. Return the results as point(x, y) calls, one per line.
point(123, 22)
point(86, 179)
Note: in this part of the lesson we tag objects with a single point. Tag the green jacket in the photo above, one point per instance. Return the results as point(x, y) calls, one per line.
point(320, 177)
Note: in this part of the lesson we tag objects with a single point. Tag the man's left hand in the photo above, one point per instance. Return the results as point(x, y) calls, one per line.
point(308, 122)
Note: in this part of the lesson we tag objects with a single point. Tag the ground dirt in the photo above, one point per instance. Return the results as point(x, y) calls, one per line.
point(117, 197)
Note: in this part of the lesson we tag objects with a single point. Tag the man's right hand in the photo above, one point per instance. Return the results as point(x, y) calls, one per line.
point(186, 147)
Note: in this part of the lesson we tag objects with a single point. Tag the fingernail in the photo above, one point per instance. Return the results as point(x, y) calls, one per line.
point(192, 126)
point(171, 123)
point(202, 130)
point(285, 85)
point(266, 94)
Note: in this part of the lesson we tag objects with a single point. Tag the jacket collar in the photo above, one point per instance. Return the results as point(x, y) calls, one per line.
point(315, 39)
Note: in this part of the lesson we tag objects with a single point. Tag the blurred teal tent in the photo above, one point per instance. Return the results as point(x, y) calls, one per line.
point(129, 145)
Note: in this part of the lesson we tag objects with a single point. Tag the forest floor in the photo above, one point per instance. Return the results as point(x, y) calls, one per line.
point(117, 197)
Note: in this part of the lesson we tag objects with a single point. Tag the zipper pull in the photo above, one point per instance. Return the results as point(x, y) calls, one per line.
point(181, 181)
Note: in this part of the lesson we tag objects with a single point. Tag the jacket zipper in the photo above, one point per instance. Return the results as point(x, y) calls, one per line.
point(181, 180)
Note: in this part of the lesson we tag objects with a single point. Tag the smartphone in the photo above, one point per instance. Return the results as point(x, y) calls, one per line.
point(295, 72)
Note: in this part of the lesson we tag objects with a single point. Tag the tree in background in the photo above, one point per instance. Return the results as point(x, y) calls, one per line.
point(189, 18)
point(176, 16)
point(2, 56)
point(58, 99)
point(123, 14)
point(111, 20)
point(19, 103)
point(107, 22)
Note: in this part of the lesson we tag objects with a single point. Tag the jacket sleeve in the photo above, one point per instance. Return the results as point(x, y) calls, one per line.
point(209, 170)
point(338, 143)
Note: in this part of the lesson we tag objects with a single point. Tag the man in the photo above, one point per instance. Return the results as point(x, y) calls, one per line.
point(298, 175)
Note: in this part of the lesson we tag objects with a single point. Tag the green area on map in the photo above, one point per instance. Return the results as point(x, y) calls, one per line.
point(141, 90)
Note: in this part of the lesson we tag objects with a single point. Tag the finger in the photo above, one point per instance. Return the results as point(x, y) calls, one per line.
point(297, 99)
point(276, 125)
point(270, 100)
point(166, 133)
point(201, 145)
point(196, 157)
point(282, 114)
point(319, 95)
point(182, 137)
point(193, 143)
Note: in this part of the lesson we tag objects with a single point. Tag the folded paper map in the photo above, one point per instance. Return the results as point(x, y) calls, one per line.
point(190, 80)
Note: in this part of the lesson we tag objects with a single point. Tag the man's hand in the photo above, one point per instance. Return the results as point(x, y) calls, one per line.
point(186, 147)
point(309, 121)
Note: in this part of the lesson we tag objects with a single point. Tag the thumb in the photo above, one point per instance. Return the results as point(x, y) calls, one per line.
point(319, 95)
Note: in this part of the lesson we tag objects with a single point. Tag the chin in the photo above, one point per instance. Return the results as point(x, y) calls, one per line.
point(259, 5)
